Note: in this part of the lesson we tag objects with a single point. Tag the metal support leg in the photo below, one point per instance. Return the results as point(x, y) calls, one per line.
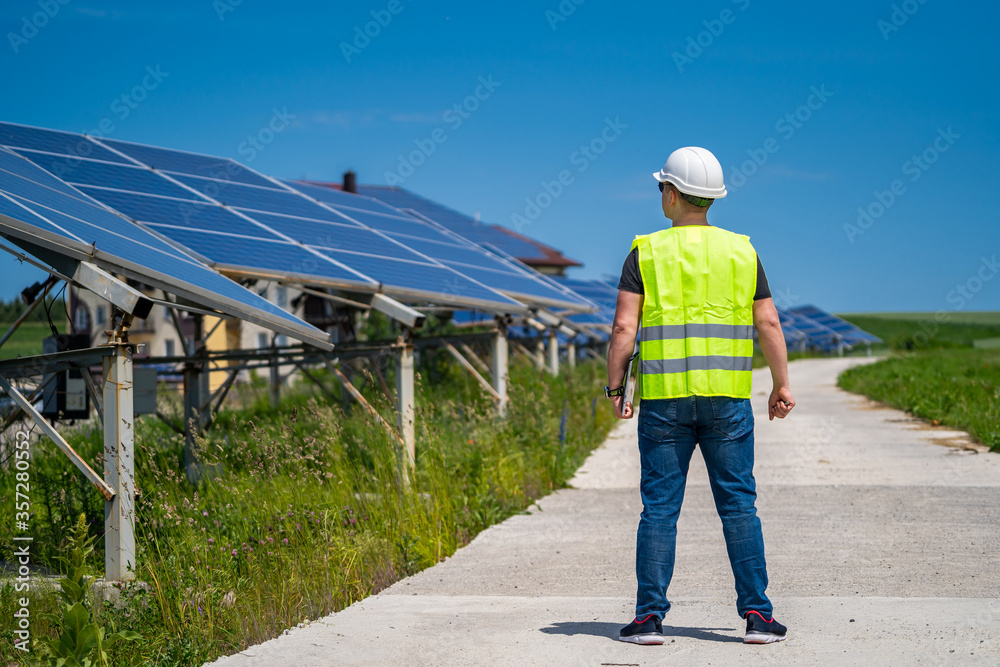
point(500, 360)
point(275, 379)
point(192, 418)
point(119, 466)
point(571, 355)
point(540, 353)
point(553, 353)
point(405, 408)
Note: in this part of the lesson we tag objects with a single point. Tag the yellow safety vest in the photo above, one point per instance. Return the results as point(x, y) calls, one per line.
point(697, 316)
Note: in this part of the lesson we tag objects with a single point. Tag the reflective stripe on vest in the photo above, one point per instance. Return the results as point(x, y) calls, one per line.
point(697, 316)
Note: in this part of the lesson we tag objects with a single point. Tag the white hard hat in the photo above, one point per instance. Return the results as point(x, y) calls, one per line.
point(694, 171)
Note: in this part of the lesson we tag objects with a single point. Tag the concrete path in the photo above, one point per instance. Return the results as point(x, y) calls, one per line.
point(882, 535)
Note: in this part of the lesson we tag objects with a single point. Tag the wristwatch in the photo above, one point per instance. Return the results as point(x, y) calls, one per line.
point(608, 392)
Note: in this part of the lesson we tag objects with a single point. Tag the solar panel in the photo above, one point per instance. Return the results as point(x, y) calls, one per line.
point(265, 230)
point(183, 162)
point(37, 209)
point(437, 242)
point(457, 222)
point(850, 332)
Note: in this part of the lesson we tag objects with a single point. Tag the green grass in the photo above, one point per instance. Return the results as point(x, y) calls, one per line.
point(958, 387)
point(915, 331)
point(304, 513)
point(988, 317)
point(27, 339)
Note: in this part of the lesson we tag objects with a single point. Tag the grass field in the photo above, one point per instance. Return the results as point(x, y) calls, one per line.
point(27, 340)
point(304, 512)
point(957, 387)
point(913, 331)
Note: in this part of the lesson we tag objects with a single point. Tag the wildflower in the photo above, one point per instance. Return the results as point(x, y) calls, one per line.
point(285, 540)
point(204, 513)
point(298, 526)
point(234, 552)
point(211, 540)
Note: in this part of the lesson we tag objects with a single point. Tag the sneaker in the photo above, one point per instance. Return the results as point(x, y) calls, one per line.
point(763, 631)
point(647, 631)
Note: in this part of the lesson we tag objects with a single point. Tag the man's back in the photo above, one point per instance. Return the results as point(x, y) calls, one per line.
point(699, 284)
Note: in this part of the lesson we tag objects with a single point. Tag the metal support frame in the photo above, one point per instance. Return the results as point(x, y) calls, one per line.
point(119, 465)
point(467, 365)
point(553, 345)
point(360, 398)
point(107, 491)
point(571, 355)
point(405, 408)
point(193, 369)
point(500, 368)
point(94, 394)
point(474, 358)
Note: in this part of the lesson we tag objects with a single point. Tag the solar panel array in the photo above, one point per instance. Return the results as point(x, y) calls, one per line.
point(486, 235)
point(425, 236)
point(40, 210)
point(245, 223)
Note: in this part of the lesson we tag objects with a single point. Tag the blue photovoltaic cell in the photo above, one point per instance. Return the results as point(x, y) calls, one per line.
point(63, 143)
point(279, 257)
point(450, 253)
point(462, 255)
point(238, 195)
point(14, 210)
point(457, 222)
point(181, 162)
point(340, 198)
point(108, 175)
point(517, 284)
point(424, 277)
point(179, 213)
point(115, 236)
point(69, 209)
point(346, 236)
point(32, 174)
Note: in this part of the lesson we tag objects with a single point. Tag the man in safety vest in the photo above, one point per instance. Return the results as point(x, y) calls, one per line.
point(698, 291)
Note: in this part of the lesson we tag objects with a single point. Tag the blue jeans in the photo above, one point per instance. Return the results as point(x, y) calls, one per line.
point(668, 432)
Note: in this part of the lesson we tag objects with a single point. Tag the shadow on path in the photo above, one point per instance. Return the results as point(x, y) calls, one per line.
point(610, 631)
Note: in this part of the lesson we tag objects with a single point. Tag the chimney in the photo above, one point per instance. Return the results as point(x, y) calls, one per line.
point(350, 182)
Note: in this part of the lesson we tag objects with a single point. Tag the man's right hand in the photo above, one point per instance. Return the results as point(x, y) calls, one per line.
point(780, 403)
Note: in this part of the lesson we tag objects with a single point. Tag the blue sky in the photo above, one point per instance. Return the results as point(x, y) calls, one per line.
point(885, 82)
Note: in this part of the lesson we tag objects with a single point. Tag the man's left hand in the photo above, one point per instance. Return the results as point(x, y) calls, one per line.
point(623, 408)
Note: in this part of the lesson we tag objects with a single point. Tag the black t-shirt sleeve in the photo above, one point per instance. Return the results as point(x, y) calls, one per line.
point(631, 279)
point(763, 289)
